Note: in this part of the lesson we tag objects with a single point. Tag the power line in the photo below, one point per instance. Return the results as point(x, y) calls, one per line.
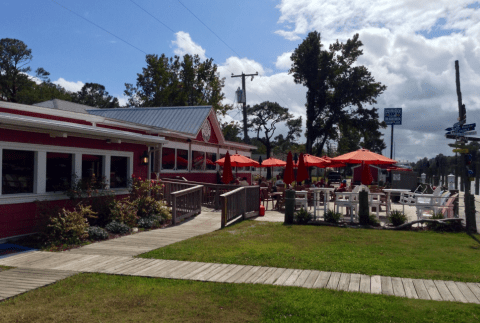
point(96, 25)
point(278, 95)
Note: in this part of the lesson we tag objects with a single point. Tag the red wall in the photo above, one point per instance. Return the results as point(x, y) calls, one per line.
point(17, 219)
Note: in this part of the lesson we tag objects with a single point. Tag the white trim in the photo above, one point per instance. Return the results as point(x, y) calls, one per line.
point(31, 123)
point(49, 196)
point(62, 149)
point(40, 172)
point(207, 149)
point(176, 145)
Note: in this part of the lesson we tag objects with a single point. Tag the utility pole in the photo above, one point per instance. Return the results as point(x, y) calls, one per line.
point(469, 199)
point(245, 126)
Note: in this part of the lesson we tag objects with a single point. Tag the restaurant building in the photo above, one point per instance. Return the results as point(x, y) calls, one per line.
point(46, 146)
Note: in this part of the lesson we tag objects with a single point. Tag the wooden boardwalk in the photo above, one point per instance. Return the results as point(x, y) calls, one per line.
point(40, 268)
point(36, 269)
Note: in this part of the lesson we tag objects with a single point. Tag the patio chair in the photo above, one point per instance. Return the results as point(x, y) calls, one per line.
point(301, 199)
point(425, 202)
point(349, 200)
point(266, 197)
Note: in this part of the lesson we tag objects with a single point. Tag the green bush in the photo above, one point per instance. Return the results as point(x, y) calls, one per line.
point(372, 220)
point(397, 218)
point(146, 196)
point(443, 227)
point(93, 192)
point(124, 211)
point(117, 227)
point(302, 216)
point(332, 217)
point(150, 222)
point(97, 233)
point(69, 227)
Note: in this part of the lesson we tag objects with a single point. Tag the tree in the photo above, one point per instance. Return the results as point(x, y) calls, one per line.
point(266, 116)
point(95, 95)
point(231, 131)
point(14, 59)
point(174, 82)
point(336, 90)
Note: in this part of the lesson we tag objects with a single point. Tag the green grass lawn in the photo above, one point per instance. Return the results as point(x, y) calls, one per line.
point(446, 256)
point(109, 298)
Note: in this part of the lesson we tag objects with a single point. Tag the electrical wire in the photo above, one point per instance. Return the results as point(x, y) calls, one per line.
point(278, 95)
point(98, 26)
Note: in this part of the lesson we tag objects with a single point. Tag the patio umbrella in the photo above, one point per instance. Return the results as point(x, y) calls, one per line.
point(288, 175)
point(365, 156)
point(332, 164)
point(227, 176)
point(273, 162)
point(302, 172)
point(310, 160)
point(239, 161)
point(170, 159)
point(366, 176)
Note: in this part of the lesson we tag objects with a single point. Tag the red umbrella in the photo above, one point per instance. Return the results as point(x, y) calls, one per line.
point(239, 161)
point(302, 172)
point(332, 164)
point(227, 176)
point(170, 159)
point(311, 160)
point(273, 162)
point(365, 156)
point(288, 175)
point(367, 177)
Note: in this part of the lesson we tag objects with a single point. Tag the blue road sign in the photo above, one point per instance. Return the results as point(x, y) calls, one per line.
point(458, 134)
point(462, 128)
point(392, 116)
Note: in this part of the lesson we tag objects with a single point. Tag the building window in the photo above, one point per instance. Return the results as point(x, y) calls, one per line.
point(168, 158)
point(182, 159)
point(210, 161)
point(118, 172)
point(17, 171)
point(198, 160)
point(92, 168)
point(59, 172)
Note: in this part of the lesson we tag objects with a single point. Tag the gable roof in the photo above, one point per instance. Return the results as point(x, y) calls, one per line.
point(182, 119)
point(64, 105)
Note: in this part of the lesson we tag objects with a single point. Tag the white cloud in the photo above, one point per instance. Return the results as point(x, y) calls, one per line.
point(185, 45)
point(68, 85)
point(283, 61)
point(406, 16)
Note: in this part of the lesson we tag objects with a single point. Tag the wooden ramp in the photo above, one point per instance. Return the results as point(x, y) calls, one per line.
point(42, 268)
point(20, 280)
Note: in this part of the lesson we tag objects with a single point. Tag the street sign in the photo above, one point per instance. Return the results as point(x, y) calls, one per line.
point(392, 116)
point(459, 128)
point(461, 150)
point(458, 134)
point(470, 133)
point(456, 145)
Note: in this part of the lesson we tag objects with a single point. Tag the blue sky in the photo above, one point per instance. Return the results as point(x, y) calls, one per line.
point(410, 46)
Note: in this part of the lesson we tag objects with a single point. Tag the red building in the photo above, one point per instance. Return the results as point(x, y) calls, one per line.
point(46, 146)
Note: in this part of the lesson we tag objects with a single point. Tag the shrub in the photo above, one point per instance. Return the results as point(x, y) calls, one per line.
point(372, 220)
point(117, 227)
point(69, 227)
point(97, 233)
point(397, 218)
point(93, 192)
point(303, 216)
point(150, 222)
point(124, 211)
point(146, 196)
point(332, 217)
point(443, 227)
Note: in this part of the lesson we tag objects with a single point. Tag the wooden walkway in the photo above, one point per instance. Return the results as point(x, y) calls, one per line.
point(41, 268)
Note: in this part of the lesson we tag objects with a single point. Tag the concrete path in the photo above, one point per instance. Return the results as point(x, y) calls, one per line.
point(46, 265)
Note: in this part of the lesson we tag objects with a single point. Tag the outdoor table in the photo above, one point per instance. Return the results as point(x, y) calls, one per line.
point(316, 198)
point(393, 190)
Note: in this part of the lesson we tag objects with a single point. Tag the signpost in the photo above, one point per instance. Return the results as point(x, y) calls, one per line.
point(392, 116)
point(458, 132)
